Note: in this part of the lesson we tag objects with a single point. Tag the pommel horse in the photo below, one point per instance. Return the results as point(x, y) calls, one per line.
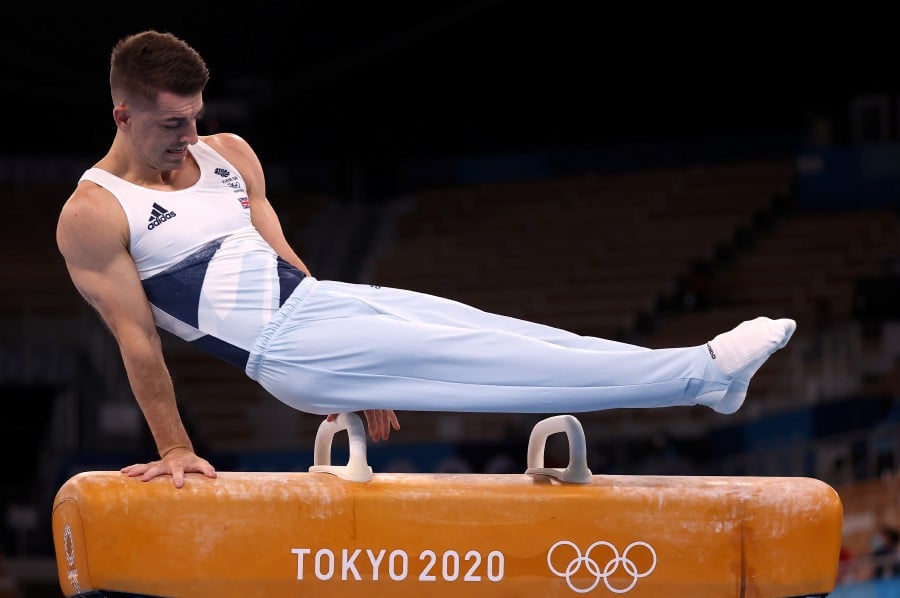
point(342, 530)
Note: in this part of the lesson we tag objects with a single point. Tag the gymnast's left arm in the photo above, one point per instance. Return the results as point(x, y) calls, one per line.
point(263, 216)
point(265, 220)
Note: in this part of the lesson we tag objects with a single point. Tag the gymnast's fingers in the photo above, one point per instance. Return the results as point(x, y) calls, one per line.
point(374, 419)
point(394, 422)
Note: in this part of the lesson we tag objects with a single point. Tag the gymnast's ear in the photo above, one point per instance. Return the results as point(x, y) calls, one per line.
point(121, 115)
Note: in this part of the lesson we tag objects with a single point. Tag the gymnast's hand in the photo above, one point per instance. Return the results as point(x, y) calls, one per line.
point(176, 463)
point(380, 422)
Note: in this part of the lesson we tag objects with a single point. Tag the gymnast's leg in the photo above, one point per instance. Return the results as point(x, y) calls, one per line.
point(422, 307)
point(345, 348)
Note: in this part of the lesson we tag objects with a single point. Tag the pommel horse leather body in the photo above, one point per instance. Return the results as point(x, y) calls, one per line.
point(318, 534)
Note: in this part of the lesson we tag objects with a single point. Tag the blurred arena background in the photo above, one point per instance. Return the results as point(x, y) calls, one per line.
point(654, 178)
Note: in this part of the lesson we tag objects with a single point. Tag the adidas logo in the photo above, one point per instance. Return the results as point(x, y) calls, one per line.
point(158, 215)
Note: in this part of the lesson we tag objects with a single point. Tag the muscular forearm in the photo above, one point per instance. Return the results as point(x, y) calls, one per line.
point(303, 268)
point(155, 394)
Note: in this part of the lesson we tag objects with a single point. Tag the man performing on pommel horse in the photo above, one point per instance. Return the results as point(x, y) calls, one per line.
point(173, 230)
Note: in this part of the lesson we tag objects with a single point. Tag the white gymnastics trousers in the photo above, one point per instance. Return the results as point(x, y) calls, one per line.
point(337, 347)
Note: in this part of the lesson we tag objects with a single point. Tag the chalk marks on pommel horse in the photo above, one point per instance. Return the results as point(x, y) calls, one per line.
point(342, 530)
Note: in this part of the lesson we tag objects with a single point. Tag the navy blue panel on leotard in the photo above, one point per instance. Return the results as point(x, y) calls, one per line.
point(289, 276)
point(224, 351)
point(176, 290)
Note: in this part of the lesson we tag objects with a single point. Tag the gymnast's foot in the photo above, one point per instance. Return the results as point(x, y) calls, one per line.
point(741, 351)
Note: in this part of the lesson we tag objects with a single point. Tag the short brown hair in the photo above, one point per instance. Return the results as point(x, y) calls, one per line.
point(143, 64)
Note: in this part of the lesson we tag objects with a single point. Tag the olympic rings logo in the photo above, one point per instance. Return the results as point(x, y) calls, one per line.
point(593, 568)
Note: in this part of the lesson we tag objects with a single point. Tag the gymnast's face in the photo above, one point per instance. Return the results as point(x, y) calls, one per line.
point(161, 131)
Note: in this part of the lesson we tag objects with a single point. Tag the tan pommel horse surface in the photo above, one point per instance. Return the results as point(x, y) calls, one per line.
point(346, 531)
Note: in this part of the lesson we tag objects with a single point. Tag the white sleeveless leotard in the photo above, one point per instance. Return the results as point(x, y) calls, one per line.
point(211, 279)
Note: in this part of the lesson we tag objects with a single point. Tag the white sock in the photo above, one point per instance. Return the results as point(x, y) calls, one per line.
point(749, 344)
point(740, 352)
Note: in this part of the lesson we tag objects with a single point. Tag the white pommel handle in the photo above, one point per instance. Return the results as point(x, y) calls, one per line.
point(577, 472)
point(357, 468)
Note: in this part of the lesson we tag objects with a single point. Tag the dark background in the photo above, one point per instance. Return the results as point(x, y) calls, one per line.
point(380, 84)
point(392, 80)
